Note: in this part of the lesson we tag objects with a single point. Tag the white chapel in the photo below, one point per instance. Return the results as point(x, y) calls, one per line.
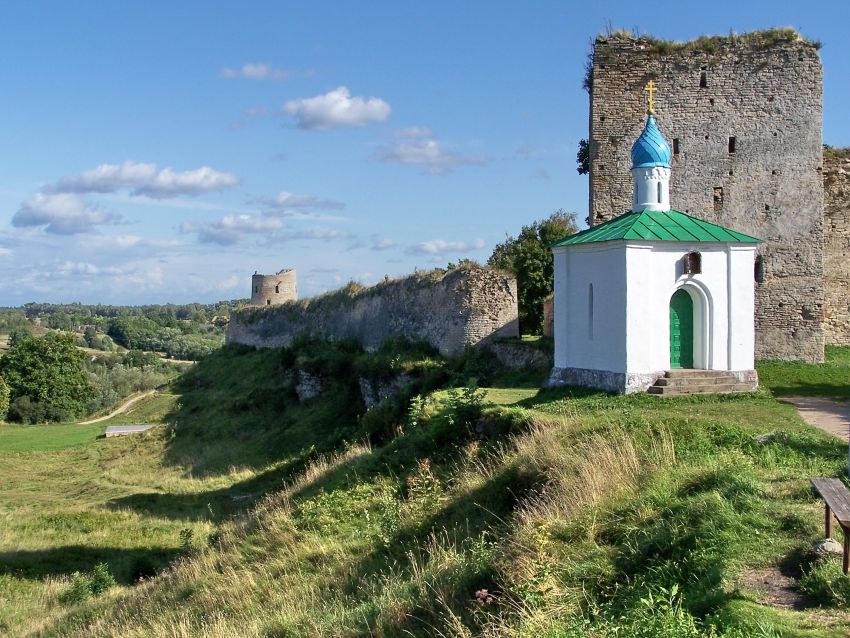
point(655, 299)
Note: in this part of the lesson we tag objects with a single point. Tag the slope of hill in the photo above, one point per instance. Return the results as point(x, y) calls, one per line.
point(502, 511)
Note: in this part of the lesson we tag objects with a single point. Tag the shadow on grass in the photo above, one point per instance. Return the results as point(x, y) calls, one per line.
point(127, 565)
point(839, 391)
point(215, 506)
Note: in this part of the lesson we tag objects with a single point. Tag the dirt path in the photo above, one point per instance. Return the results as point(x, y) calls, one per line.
point(828, 415)
point(121, 408)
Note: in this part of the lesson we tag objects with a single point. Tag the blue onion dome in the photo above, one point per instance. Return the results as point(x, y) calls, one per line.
point(651, 149)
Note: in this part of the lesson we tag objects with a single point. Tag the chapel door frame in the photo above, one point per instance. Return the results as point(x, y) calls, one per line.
point(703, 317)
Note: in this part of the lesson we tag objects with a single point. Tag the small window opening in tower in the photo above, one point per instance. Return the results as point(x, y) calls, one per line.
point(659, 192)
point(767, 207)
point(675, 146)
point(711, 101)
point(703, 80)
point(602, 167)
point(693, 263)
point(277, 288)
point(718, 199)
point(268, 302)
point(590, 312)
point(730, 173)
point(731, 144)
point(758, 271)
point(256, 289)
point(774, 172)
point(601, 118)
point(706, 137)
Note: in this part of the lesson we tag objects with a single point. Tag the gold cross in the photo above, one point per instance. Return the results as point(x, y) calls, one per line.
point(651, 88)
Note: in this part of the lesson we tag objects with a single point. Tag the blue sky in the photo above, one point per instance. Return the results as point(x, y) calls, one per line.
point(162, 152)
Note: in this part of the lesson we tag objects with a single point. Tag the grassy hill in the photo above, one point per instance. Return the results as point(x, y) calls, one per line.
point(446, 511)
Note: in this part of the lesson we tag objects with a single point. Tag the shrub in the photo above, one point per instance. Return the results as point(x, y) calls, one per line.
point(465, 405)
point(85, 585)
point(79, 591)
point(101, 579)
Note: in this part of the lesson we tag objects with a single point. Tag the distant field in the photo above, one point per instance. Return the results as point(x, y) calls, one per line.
point(41, 438)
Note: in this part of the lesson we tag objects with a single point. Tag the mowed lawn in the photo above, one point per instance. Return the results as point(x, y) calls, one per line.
point(70, 499)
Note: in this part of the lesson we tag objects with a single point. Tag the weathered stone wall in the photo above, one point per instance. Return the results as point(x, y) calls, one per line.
point(271, 290)
point(767, 182)
point(836, 246)
point(449, 310)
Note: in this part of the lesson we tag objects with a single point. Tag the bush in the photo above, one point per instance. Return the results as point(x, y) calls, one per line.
point(85, 585)
point(466, 405)
point(100, 579)
point(79, 591)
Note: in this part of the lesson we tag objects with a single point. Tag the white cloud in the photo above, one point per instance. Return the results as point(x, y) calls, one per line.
point(258, 71)
point(418, 147)
point(234, 281)
point(6, 252)
point(60, 213)
point(286, 204)
point(336, 109)
point(147, 179)
point(231, 229)
point(318, 234)
point(442, 247)
point(381, 243)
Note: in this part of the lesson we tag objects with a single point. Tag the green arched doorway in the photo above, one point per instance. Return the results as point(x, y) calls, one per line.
point(681, 330)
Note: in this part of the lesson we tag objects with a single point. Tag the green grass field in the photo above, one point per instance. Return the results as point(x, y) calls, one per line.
point(830, 379)
point(558, 513)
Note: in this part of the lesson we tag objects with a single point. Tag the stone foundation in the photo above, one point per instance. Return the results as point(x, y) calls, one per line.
point(619, 382)
point(624, 382)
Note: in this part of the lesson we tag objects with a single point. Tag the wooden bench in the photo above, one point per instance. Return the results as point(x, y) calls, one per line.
point(836, 498)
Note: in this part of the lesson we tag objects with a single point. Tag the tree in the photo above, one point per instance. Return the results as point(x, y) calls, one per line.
point(4, 399)
point(47, 379)
point(583, 157)
point(529, 258)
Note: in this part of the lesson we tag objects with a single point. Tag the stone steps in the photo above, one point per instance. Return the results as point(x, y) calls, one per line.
point(685, 381)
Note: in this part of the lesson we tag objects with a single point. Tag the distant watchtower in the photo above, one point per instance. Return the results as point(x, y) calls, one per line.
point(272, 290)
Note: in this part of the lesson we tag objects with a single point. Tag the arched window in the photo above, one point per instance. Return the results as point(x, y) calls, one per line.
point(277, 288)
point(693, 263)
point(659, 192)
point(758, 271)
point(590, 312)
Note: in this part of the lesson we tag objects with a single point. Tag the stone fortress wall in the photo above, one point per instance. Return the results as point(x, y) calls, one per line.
point(836, 246)
point(273, 290)
point(450, 310)
point(744, 118)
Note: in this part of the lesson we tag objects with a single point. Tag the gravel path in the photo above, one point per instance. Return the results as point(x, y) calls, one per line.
point(827, 414)
point(121, 408)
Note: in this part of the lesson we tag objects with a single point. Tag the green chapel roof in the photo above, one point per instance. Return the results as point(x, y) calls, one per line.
point(648, 225)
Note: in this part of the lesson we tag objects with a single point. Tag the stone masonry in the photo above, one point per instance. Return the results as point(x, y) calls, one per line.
point(271, 290)
point(744, 118)
point(450, 310)
point(836, 247)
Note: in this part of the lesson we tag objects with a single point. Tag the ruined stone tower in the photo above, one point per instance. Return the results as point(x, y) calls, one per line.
point(744, 116)
point(271, 290)
point(836, 246)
